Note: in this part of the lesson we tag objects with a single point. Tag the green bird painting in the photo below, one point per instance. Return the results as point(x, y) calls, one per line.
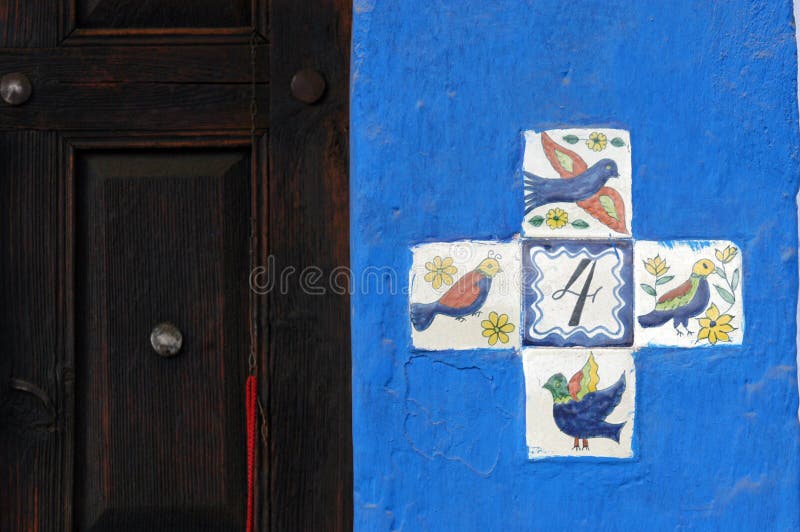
point(683, 302)
point(580, 409)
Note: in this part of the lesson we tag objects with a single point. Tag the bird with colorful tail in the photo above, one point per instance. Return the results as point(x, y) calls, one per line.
point(580, 410)
point(683, 302)
point(580, 184)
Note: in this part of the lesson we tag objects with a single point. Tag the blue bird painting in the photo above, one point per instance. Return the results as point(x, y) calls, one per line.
point(580, 184)
point(542, 191)
point(580, 410)
point(465, 297)
point(683, 302)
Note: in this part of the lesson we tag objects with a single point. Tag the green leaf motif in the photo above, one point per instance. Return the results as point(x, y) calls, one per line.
point(719, 271)
point(724, 294)
point(617, 142)
point(649, 290)
point(608, 205)
point(536, 221)
point(572, 139)
point(664, 280)
point(564, 160)
point(580, 224)
point(735, 279)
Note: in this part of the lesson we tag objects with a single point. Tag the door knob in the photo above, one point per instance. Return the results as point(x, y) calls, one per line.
point(166, 339)
point(308, 85)
point(15, 88)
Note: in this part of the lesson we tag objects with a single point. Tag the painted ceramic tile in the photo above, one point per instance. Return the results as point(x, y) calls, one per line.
point(577, 183)
point(465, 295)
point(577, 293)
point(579, 402)
point(688, 293)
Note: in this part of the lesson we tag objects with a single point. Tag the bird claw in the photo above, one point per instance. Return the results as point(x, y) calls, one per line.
point(678, 332)
point(690, 333)
point(477, 313)
point(461, 319)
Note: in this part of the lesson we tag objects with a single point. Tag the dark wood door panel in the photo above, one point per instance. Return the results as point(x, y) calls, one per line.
point(161, 236)
point(137, 186)
point(31, 325)
point(163, 13)
point(145, 88)
point(137, 106)
point(162, 21)
point(310, 335)
point(87, 65)
point(30, 23)
point(49, 23)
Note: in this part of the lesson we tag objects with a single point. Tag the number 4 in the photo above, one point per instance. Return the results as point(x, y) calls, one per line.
point(577, 310)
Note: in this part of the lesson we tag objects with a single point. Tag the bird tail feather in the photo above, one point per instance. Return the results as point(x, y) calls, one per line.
point(655, 318)
point(616, 429)
point(532, 196)
point(422, 315)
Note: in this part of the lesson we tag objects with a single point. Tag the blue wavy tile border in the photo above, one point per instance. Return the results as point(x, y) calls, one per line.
point(577, 338)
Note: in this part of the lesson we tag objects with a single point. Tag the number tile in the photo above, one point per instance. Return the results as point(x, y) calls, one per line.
point(577, 293)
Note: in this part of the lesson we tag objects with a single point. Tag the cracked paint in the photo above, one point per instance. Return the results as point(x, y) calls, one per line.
point(448, 423)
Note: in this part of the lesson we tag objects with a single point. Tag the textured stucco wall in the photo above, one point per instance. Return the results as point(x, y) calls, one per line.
point(441, 91)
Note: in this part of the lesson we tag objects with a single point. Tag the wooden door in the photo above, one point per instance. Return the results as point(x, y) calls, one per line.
point(160, 160)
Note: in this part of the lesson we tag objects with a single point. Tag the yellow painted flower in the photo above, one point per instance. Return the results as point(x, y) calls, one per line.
point(596, 142)
point(727, 254)
point(497, 328)
point(656, 266)
point(715, 327)
point(557, 218)
point(440, 271)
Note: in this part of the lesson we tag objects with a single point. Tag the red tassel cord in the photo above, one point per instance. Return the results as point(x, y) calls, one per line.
point(250, 405)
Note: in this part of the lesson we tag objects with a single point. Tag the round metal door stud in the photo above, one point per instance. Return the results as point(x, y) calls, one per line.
point(308, 85)
point(166, 339)
point(15, 88)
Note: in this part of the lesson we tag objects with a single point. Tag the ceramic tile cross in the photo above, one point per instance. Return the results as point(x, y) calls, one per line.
point(576, 291)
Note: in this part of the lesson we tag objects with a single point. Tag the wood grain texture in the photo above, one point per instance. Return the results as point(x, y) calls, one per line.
point(81, 37)
point(310, 484)
point(138, 88)
point(29, 23)
point(163, 22)
point(162, 13)
point(31, 440)
point(87, 65)
point(92, 225)
point(160, 237)
point(135, 106)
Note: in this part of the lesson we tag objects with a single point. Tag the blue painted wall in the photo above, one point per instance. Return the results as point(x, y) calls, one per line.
point(441, 90)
